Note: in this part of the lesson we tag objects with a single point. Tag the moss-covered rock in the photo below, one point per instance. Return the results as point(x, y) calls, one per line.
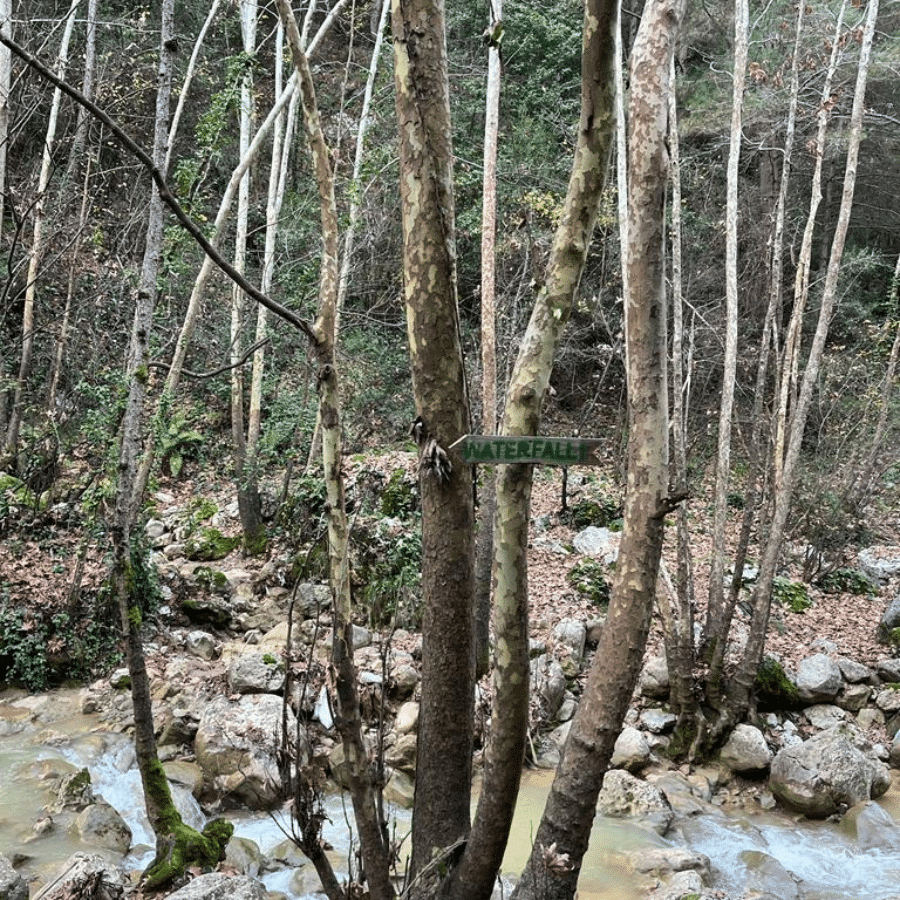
point(209, 544)
point(774, 690)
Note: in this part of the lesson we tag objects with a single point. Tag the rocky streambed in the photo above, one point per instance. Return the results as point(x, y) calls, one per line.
point(799, 805)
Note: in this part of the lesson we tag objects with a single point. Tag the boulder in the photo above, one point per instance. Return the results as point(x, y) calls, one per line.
point(87, 876)
point(244, 856)
point(631, 752)
point(256, 673)
point(202, 644)
point(407, 720)
point(818, 679)
point(657, 721)
point(834, 770)
point(879, 563)
point(600, 543)
point(853, 697)
point(854, 672)
point(12, 884)
point(888, 669)
point(400, 789)
point(667, 860)
point(101, 826)
point(402, 755)
point(824, 715)
point(888, 700)
point(623, 796)
point(654, 680)
point(764, 871)
point(890, 620)
point(218, 886)
point(548, 684)
point(237, 748)
point(571, 633)
point(746, 751)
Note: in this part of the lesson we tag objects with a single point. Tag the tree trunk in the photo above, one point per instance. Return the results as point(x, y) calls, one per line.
point(716, 640)
point(177, 845)
point(528, 384)
point(740, 694)
point(444, 760)
point(37, 250)
point(488, 505)
point(562, 837)
point(716, 612)
point(246, 481)
point(679, 637)
point(364, 788)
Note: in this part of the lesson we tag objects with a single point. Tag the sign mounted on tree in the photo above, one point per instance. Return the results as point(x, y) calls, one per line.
point(493, 450)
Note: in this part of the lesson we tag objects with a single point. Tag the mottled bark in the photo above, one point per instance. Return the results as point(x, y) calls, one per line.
point(562, 836)
point(475, 876)
point(444, 762)
point(364, 789)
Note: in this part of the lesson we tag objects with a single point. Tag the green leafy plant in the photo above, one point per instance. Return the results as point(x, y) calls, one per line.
point(399, 497)
point(588, 578)
point(791, 594)
point(387, 573)
point(847, 581)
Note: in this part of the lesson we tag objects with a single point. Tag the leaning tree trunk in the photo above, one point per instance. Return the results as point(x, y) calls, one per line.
point(741, 686)
point(363, 784)
point(562, 837)
point(475, 876)
point(177, 845)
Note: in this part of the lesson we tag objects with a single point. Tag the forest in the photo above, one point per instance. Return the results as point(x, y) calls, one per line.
point(301, 258)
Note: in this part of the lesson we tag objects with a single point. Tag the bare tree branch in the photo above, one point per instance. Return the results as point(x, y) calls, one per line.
point(166, 195)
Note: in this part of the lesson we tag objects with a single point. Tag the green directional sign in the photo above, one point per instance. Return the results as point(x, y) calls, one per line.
point(492, 450)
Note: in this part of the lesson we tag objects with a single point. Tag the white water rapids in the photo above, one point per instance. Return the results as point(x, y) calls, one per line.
point(787, 857)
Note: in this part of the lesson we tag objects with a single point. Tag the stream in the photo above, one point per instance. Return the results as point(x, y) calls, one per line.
point(43, 736)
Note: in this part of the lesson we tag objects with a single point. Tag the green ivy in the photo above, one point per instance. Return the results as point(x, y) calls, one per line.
point(587, 577)
point(792, 594)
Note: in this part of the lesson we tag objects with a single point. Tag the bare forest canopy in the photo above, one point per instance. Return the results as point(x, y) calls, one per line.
point(95, 200)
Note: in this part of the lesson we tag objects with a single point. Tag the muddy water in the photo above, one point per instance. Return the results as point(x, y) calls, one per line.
point(44, 737)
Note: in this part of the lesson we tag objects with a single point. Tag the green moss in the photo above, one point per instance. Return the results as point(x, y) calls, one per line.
point(179, 845)
point(210, 578)
point(774, 690)
point(202, 509)
point(256, 543)
point(209, 544)
point(895, 637)
point(134, 616)
point(269, 660)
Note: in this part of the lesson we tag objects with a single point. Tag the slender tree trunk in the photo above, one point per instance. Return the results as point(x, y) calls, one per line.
point(679, 638)
point(716, 601)
point(444, 759)
point(363, 784)
point(528, 384)
point(246, 479)
point(562, 836)
point(741, 685)
point(488, 506)
point(177, 846)
point(37, 247)
point(716, 640)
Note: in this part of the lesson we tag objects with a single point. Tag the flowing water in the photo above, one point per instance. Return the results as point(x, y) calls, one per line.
point(44, 737)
